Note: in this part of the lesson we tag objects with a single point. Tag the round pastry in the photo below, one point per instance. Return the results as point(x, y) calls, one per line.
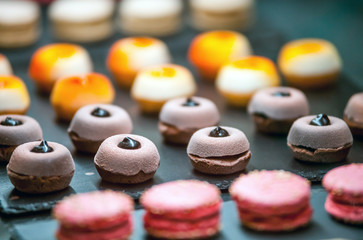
point(127, 158)
point(319, 138)
point(156, 85)
point(353, 114)
point(210, 50)
point(151, 18)
point(181, 117)
point(19, 23)
point(40, 167)
point(184, 209)
point(5, 67)
point(14, 96)
point(129, 55)
point(71, 93)
point(54, 61)
point(219, 150)
point(81, 20)
point(92, 124)
point(237, 81)
point(227, 14)
point(309, 63)
point(275, 109)
point(16, 130)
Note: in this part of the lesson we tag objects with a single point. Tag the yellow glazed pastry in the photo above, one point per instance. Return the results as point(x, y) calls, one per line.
point(14, 96)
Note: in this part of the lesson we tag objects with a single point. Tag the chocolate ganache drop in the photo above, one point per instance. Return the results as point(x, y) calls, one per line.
point(43, 147)
point(129, 143)
point(219, 132)
point(190, 103)
point(99, 112)
point(281, 94)
point(320, 120)
point(11, 122)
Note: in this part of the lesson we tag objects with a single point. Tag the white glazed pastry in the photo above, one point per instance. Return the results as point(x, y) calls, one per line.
point(5, 67)
point(14, 96)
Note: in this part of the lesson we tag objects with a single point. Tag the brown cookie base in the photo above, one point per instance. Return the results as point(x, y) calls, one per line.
point(6, 152)
point(355, 128)
point(272, 126)
point(84, 145)
point(312, 82)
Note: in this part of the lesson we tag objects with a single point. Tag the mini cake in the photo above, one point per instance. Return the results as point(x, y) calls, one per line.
point(345, 193)
point(19, 23)
point(40, 167)
point(129, 55)
point(97, 215)
point(156, 85)
point(275, 109)
point(14, 96)
point(81, 20)
point(5, 67)
point(237, 81)
point(227, 14)
point(309, 63)
point(92, 124)
point(353, 114)
point(127, 158)
point(210, 50)
point(150, 17)
point(219, 150)
point(54, 61)
point(16, 130)
point(272, 200)
point(320, 138)
point(184, 209)
point(71, 93)
point(181, 117)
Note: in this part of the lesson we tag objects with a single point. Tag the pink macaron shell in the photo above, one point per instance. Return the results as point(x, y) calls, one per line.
point(345, 212)
point(354, 109)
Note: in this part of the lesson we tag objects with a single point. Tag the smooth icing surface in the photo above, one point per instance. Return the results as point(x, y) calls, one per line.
point(14, 95)
point(354, 109)
point(5, 67)
point(13, 12)
point(150, 8)
point(220, 6)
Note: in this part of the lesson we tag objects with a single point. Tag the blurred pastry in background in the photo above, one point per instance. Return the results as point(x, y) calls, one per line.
point(129, 55)
point(81, 20)
point(14, 96)
point(353, 114)
point(5, 66)
point(150, 17)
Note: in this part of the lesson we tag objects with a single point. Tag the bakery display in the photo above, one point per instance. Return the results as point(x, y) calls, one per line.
point(275, 109)
point(219, 150)
point(320, 138)
point(128, 56)
point(184, 209)
point(5, 67)
point(14, 96)
point(238, 80)
point(181, 117)
point(309, 63)
point(353, 114)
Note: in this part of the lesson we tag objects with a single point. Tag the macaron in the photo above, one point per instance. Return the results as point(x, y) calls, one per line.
point(5, 66)
point(14, 96)
point(353, 114)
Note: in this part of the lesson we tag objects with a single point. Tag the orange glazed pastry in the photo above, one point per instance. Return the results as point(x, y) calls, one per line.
point(5, 67)
point(54, 61)
point(71, 93)
point(210, 50)
point(240, 79)
point(310, 63)
point(14, 97)
point(127, 56)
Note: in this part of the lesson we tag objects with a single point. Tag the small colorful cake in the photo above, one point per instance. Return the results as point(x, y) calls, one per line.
point(127, 158)
point(184, 209)
point(309, 63)
point(353, 114)
point(71, 93)
point(5, 67)
point(320, 138)
point(219, 150)
point(54, 61)
point(155, 85)
point(14, 96)
point(209, 51)
point(93, 123)
point(100, 215)
point(272, 200)
point(16, 130)
point(345, 193)
point(40, 167)
point(275, 109)
point(181, 117)
point(129, 55)
point(238, 80)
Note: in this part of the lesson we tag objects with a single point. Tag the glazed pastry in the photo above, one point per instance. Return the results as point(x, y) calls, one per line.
point(71, 93)
point(210, 50)
point(181, 117)
point(275, 109)
point(353, 114)
point(14, 96)
point(219, 150)
point(127, 158)
point(320, 138)
point(5, 67)
point(40, 167)
point(92, 124)
point(16, 130)
point(54, 61)
point(129, 55)
point(237, 81)
point(156, 85)
point(310, 63)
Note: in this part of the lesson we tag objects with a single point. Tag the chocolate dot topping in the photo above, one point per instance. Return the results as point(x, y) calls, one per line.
point(281, 94)
point(99, 112)
point(129, 143)
point(43, 147)
point(320, 120)
point(190, 103)
point(219, 132)
point(11, 122)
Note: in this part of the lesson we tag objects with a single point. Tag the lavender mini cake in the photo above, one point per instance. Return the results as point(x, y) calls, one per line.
point(353, 114)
